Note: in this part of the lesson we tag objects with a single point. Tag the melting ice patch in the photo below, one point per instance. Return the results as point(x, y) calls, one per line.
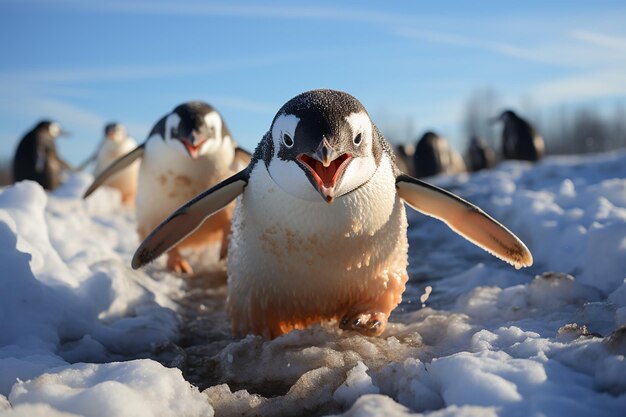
point(488, 341)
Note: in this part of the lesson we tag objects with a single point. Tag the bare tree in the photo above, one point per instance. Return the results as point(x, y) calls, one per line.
point(5, 171)
point(481, 107)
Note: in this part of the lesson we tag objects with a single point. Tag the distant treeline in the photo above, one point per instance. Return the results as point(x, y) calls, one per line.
point(584, 130)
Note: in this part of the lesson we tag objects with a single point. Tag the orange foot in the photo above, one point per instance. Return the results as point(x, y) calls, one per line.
point(369, 324)
point(369, 317)
point(176, 263)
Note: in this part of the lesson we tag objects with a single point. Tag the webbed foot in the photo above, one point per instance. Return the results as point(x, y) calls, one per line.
point(369, 324)
point(178, 264)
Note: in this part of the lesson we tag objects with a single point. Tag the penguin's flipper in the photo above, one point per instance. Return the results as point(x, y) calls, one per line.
point(115, 167)
point(84, 165)
point(464, 218)
point(188, 218)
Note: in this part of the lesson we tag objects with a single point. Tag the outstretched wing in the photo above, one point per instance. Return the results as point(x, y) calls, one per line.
point(189, 217)
point(115, 167)
point(89, 160)
point(464, 218)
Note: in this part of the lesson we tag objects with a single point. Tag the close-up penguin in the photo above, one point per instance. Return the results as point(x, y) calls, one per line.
point(36, 157)
point(319, 231)
point(187, 151)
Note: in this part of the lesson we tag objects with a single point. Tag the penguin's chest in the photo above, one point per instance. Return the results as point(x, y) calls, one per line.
point(167, 180)
point(291, 245)
point(125, 180)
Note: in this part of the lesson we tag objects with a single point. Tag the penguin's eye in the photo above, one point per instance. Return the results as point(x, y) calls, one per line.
point(287, 140)
point(357, 139)
point(174, 133)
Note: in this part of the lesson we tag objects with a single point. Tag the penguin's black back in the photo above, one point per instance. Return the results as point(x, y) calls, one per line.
point(480, 155)
point(36, 158)
point(427, 159)
point(520, 139)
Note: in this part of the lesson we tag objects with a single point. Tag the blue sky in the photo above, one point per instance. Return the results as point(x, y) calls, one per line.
point(84, 62)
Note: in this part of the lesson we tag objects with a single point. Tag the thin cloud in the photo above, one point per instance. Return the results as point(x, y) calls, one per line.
point(577, 50)
point(502, 48)
point(601, 84)
point(248, 10)
point(38, 107)
point(600, 39)
point(129, 72)
point(72, 75)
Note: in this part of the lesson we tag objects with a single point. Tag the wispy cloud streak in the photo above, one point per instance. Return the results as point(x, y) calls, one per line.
point(600, 39)
point(284, 10)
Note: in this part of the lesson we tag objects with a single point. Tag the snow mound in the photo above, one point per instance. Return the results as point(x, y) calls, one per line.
point(67, 293)
point(140, 388)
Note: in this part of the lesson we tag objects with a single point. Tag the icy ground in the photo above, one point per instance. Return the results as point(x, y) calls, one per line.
point(83, 334)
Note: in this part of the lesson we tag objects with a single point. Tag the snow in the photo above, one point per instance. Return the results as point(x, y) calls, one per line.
point(146, 388)
point(81, 333)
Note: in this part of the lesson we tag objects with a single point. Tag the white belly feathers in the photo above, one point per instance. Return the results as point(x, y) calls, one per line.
point(168, 179)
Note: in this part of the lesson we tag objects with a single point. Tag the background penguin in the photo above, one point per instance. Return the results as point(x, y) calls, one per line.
point(187, 151)
point(37, 158)
point(404, 158)
point(319, 230)
point(434, 155)
point(116, 143)
point(520, 140)
point(480, 155)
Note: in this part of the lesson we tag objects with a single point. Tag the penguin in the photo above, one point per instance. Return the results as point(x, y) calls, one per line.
point(404, 158)
point(187, 151)
point(434, 155)
point(36, 157)
point(116, 143)
point(320, 230)
point(520, 140)
point(480, 155)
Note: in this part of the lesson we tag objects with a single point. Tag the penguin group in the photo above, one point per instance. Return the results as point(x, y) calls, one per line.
point(312, 225)
point(433, 155)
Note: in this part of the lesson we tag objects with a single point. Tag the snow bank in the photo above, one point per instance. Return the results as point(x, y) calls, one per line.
point(140, 388)
point(489, 341)
point(67, 293)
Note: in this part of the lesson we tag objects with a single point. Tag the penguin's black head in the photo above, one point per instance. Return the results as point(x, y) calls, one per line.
point(428, 139)
point(507, 115)
point(476, 141)
point(50, 129)
point(324, 139)
point(114, 131)
point(196, 126)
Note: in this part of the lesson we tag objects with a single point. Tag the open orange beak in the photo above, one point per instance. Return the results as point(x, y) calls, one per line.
point(193, 148)
point(326, 167)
